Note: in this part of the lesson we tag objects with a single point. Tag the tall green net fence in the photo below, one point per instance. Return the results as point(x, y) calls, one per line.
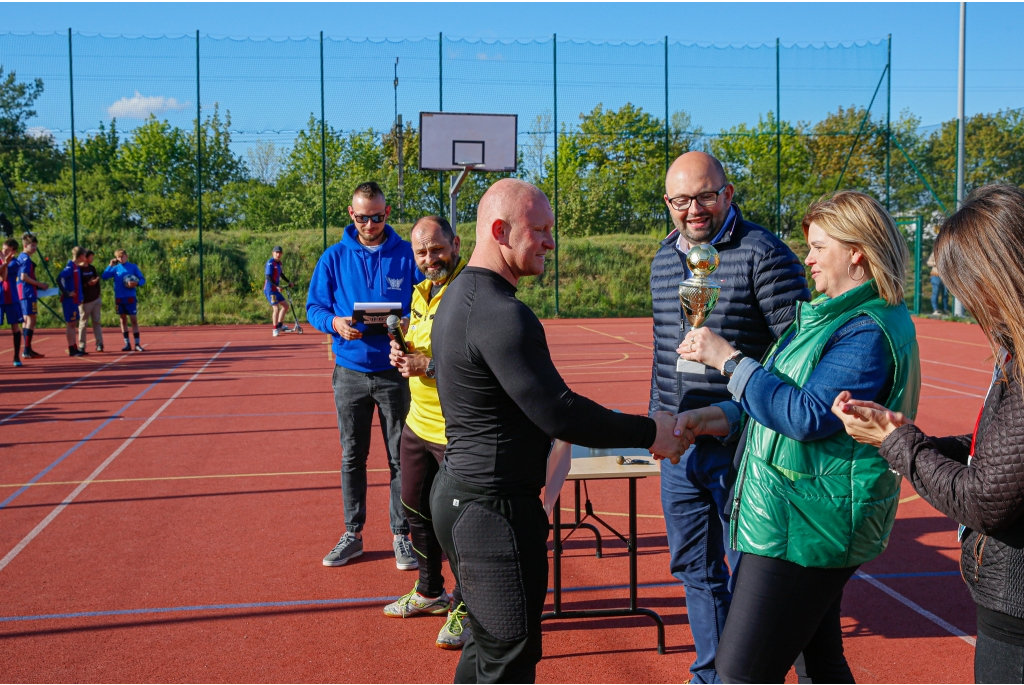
point(198, 154)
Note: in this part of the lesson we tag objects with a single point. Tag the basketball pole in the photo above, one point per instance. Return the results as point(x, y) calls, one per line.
point(453, 194)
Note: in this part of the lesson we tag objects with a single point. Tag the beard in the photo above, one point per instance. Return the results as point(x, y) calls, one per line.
point(700, 236)
point(441, 269)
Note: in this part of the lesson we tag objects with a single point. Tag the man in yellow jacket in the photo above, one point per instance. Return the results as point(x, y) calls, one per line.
point(436, 249)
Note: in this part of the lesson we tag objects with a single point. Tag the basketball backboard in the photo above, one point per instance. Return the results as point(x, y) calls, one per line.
point(450, 141)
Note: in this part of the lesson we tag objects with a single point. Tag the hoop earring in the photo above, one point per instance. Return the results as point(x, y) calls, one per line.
point(849, 272)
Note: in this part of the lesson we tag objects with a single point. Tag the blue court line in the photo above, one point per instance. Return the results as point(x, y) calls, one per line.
point(359, 600)
point(88, 437)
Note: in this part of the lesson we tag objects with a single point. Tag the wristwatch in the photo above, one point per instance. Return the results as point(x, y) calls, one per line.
point(729, 367)
point(431, 372)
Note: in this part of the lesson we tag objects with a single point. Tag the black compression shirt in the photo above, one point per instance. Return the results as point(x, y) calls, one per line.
point(502, 398)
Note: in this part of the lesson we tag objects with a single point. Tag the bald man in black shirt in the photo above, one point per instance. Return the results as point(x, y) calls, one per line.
point(503, 402)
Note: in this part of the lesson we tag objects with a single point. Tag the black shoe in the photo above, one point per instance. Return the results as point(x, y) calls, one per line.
point(127, 347)
point(82, 352)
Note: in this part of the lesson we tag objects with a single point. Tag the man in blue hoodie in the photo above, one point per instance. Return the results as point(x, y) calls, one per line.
point(372, 263)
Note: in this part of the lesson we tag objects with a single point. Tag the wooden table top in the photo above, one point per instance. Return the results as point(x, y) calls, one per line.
point(604, 467)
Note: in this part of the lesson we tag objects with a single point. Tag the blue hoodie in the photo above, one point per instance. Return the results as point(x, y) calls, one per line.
point(348, 273)
point(118, 272)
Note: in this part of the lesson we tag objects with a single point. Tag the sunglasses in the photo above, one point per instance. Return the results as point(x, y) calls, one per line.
point(365, 219)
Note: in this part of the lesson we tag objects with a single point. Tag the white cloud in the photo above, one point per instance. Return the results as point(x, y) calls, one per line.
point(141, 106)
point(40, 132)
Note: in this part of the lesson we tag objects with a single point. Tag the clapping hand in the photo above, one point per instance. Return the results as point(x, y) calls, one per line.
point(866, 422)
point(670, 444)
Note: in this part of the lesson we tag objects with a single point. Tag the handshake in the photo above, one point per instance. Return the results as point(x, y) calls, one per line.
point(676, 432)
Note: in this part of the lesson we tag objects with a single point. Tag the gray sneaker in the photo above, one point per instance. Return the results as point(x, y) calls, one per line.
point(404, 559)
point(456, 629)
point(414, 603)
point(349, 547)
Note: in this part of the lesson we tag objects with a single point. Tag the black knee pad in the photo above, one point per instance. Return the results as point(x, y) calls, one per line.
point(489, 573)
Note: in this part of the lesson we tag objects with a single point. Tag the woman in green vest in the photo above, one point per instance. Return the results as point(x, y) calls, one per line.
point(811, 504)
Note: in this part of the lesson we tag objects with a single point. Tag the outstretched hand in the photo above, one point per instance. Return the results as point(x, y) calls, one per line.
point(705, 346)
point(867, 422)
point(668, 444)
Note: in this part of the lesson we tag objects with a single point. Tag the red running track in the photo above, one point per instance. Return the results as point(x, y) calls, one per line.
point(163, 517)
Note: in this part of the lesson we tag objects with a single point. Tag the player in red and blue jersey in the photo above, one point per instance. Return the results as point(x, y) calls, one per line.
point(10, 306)
point(28, 288)
point(272, 289)
point(70, 281)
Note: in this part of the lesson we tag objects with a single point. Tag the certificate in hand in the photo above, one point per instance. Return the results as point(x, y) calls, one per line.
point(374, 316)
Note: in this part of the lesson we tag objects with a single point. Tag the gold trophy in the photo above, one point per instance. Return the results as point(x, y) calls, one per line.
point(698, 296)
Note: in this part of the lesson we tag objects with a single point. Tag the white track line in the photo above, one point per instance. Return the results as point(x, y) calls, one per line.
point(99, 469)
point(958, 392)
point(60, 390)
point(949, 627)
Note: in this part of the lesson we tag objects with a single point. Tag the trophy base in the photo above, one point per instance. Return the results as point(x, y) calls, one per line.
point(686, 366)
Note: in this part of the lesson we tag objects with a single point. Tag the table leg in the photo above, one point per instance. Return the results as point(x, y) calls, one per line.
point(557, 556)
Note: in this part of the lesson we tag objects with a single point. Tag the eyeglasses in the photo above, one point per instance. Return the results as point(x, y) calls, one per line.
point(709, 199)
point(364, 219)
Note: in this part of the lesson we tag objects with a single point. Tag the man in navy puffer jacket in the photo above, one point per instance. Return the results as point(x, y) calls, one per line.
point(761, 281)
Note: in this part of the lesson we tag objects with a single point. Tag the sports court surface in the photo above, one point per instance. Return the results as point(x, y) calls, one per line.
point(163, 516)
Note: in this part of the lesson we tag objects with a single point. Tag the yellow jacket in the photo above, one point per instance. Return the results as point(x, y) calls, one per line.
point(425, 418)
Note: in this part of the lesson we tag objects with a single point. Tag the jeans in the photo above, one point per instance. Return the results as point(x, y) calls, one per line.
point(695, 499)
point(86, 311)
point(355, 396)
point(940, 296)
point(780, 610)
point(997, 662)
point(496, 543)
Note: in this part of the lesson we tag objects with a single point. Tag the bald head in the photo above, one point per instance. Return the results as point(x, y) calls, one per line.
point(513, 229)
point(692, 174)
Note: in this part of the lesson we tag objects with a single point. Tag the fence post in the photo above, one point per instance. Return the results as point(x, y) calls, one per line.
point(440, 108)
point(199, 186)
point(888, 128)
point(668, 217)
point(778, 143)
point(554, 64)
point(74, 166)
point(323, 146)
point(918, 236)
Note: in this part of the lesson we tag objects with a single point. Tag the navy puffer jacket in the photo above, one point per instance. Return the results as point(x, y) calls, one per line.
point(761, 281)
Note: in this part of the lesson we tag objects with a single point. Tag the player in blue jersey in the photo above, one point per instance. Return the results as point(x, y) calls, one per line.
point(10, 307)
point(272, 289)
point(127, 278)
point(70, 282)
point(28, 288)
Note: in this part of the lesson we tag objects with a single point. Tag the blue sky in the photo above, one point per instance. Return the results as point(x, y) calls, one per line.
point(924, 48)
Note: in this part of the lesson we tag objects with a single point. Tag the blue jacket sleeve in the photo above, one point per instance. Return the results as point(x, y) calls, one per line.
point(109, 273)
point(780, 283)
point(138, 274)
point(857, 359)
point(320, 299)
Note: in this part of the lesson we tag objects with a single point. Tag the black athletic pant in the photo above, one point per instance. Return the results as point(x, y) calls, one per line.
point(420, 462)
point(780, 609)
point(497, 545)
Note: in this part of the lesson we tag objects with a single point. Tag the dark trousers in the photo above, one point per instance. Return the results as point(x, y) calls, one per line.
point(497, 546)
point(420, 463)
point(356, 395)
point(996, 661)
point(780, 609)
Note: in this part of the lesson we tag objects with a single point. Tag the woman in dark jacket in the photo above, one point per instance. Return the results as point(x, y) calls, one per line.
point(976, 479)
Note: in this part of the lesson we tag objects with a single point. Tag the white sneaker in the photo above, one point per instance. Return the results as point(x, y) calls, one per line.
point(276, 333)
point(414, 603)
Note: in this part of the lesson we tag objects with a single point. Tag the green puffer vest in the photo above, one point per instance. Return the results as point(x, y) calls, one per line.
point(827, 503)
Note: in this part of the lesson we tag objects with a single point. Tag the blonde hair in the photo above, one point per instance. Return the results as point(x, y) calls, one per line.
point(77, 252)
point(858, 221)
point(118, 252)
point(979, 251)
